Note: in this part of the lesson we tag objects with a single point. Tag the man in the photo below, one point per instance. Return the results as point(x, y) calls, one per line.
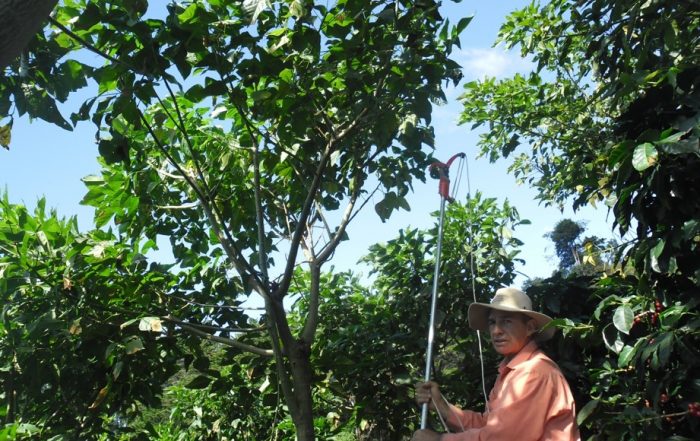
point(530, 401)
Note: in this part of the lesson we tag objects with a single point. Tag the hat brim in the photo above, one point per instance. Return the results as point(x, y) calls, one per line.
point(478, 316)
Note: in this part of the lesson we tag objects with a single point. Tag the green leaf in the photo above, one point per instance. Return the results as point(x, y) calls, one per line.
point(654, 255)
point(604, 304)
point(644, 156)
point(665, 348)
point(675, 137)
point(625, 356)
point(189, 15)
point(618, 153)
point(5, 135)
point(114, 150)
point(199, 382)
point(686, 146)
point(623, 319)
point(116, 372)
point(586, 411)
point(93, 180)
point(133, 345)
point(254, 8)
point(296, 9)
point(261, 95)
point(462, 24)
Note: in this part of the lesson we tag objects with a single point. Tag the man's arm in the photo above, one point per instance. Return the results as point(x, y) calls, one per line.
point(520, 412)
point(456, 419)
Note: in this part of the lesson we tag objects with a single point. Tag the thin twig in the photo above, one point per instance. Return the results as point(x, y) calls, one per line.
point(226, 341)
point(184, 132)
point(202, 326)
point(90, 46)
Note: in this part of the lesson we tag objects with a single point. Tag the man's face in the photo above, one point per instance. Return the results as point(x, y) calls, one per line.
point(510, 331)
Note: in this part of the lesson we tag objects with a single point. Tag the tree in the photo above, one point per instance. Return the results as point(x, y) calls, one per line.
point(233, 130)
point(611, 114)
point(367, 358)
point(19, 21)
point(565, 236)
point(71, 353)
point(587, 255)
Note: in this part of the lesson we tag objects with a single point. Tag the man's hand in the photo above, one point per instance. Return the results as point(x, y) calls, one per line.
point(428, 393)
point(425, 435)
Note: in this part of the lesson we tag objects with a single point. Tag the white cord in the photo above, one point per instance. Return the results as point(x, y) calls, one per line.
point(458, 179)
point(442, 419)
point(471, 269)
point(464, 164)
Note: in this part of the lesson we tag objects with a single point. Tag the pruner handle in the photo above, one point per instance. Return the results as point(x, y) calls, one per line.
point(441, 170)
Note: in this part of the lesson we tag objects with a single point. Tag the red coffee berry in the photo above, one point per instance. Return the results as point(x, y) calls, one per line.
point(664, 398)
point(658, 305)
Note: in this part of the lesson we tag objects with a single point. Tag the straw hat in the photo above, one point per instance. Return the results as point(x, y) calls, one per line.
point(508, 299)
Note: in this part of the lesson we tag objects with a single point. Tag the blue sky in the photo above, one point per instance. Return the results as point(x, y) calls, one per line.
point(45, 160)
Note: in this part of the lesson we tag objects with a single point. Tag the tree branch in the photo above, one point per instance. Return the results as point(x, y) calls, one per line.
point(301, 222)
point(234, 254)
point(202, 326)
point(208, 305)
point(309, 331)
point(225, 239)
point(227, 341)
point(184, 206)
point(91, 47)
point(262, 252)
point(180, 123)
point(311, 197)
point(282, 373)
point(345, 220)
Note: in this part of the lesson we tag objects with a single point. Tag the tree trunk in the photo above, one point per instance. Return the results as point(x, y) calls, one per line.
point(20, 20)
point(301, 377)
point(293, 358)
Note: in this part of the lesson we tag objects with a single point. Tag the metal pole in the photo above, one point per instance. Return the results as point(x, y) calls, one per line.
point(433, 308)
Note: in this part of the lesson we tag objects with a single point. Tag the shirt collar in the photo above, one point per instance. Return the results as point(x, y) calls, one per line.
point(525, 354)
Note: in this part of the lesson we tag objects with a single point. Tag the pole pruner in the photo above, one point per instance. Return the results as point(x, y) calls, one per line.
point(441, 171)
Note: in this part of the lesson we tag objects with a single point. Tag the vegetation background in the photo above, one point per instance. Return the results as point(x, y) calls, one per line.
point(237, 130)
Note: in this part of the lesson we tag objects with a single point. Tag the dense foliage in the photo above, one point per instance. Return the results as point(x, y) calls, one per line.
point(233, 129)
point(371, 352)
point(611, 114)
point(72, 351)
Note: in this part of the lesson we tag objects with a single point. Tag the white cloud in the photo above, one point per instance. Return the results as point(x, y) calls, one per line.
point(478, 63)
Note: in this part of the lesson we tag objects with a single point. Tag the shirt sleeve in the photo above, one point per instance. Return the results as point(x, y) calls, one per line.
point(462, 419)
point(521, 412)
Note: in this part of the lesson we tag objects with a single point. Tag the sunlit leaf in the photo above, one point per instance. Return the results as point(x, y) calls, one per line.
point(5, 135)
point(255, 7)
point(644, 156)
point(101, 395)
point(150, 324)
point(623, 318)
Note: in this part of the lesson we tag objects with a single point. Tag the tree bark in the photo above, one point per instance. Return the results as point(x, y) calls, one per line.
point(293, 359)
point(20, 20)
point(300, 366)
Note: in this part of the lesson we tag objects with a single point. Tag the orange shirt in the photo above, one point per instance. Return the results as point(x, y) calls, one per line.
point(531, 401)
